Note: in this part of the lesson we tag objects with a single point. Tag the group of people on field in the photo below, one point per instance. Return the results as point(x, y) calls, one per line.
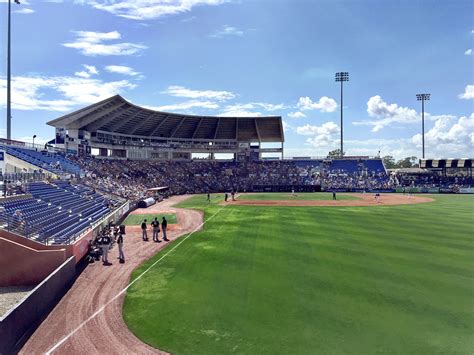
point(104, 241)
point(155, 227)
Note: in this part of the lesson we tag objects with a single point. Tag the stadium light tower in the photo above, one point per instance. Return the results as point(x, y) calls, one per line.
point(342, 76)
point(423, 98)
point(9, 98)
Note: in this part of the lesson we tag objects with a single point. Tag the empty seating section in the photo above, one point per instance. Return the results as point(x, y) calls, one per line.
point(347, 166)
point(352, 166)
point(56, 212)
point(375, 165)
point(54, 163)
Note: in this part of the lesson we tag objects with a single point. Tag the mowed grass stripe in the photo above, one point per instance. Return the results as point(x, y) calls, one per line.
point(137, 219)
point(314, 280)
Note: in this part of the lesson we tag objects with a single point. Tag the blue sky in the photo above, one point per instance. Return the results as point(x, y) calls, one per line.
point(261, 57)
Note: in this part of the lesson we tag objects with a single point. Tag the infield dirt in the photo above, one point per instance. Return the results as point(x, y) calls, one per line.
point(362, 200)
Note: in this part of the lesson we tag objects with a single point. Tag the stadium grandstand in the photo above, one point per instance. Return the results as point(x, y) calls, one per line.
point(117, 128)
point(56, 193)
point(54, 213)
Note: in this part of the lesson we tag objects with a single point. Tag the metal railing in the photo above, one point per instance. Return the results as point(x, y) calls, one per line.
point(27, 145)
point(18, 226)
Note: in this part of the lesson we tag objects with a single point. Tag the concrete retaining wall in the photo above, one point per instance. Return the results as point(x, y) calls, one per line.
point(25, 266)
point(20, 322)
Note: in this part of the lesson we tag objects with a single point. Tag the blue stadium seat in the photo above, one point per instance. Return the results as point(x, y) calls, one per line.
point(57, 212)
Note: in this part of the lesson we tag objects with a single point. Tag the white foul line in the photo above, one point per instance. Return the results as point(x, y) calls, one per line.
point(130, 284)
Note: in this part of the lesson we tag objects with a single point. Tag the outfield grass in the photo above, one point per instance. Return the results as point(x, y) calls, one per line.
point(306, 196)
point(306, 280)
point(137, 219)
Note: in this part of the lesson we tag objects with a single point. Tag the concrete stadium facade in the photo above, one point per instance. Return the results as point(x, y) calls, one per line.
point(116, 128)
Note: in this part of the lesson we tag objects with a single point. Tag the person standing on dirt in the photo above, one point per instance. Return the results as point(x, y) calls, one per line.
point(334, 196)
point(105, 244)
point(226, 197)
point(156, 230)
point(164, 226)
point(144, 235)
point(120, 247)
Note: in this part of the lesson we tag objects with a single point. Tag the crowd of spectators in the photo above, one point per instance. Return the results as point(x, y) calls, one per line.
point(430, 180)
point(358, 175)
point(131, 179)
point(341, 180)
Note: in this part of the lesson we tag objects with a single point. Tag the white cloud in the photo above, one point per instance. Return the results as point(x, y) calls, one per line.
point(30, 92)
point(322, 136)
point(91, 44)
point(297, 114)
point(121, 69)
point(325, 104)
point(180, 91)
point(25, 11)
point(287, 127)
point(386, 114)
point(468, 52)
point(450, 137)
point(90, 70)
point(267, 106)
point(250, 109)
point(227, 31)
point(82, 74)
point(468, 93)
point(187, 105)
point(147, 9)
point(239, 113)
point(255, 105)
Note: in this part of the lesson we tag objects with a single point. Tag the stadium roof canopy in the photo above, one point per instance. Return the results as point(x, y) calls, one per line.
point(117, 115)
